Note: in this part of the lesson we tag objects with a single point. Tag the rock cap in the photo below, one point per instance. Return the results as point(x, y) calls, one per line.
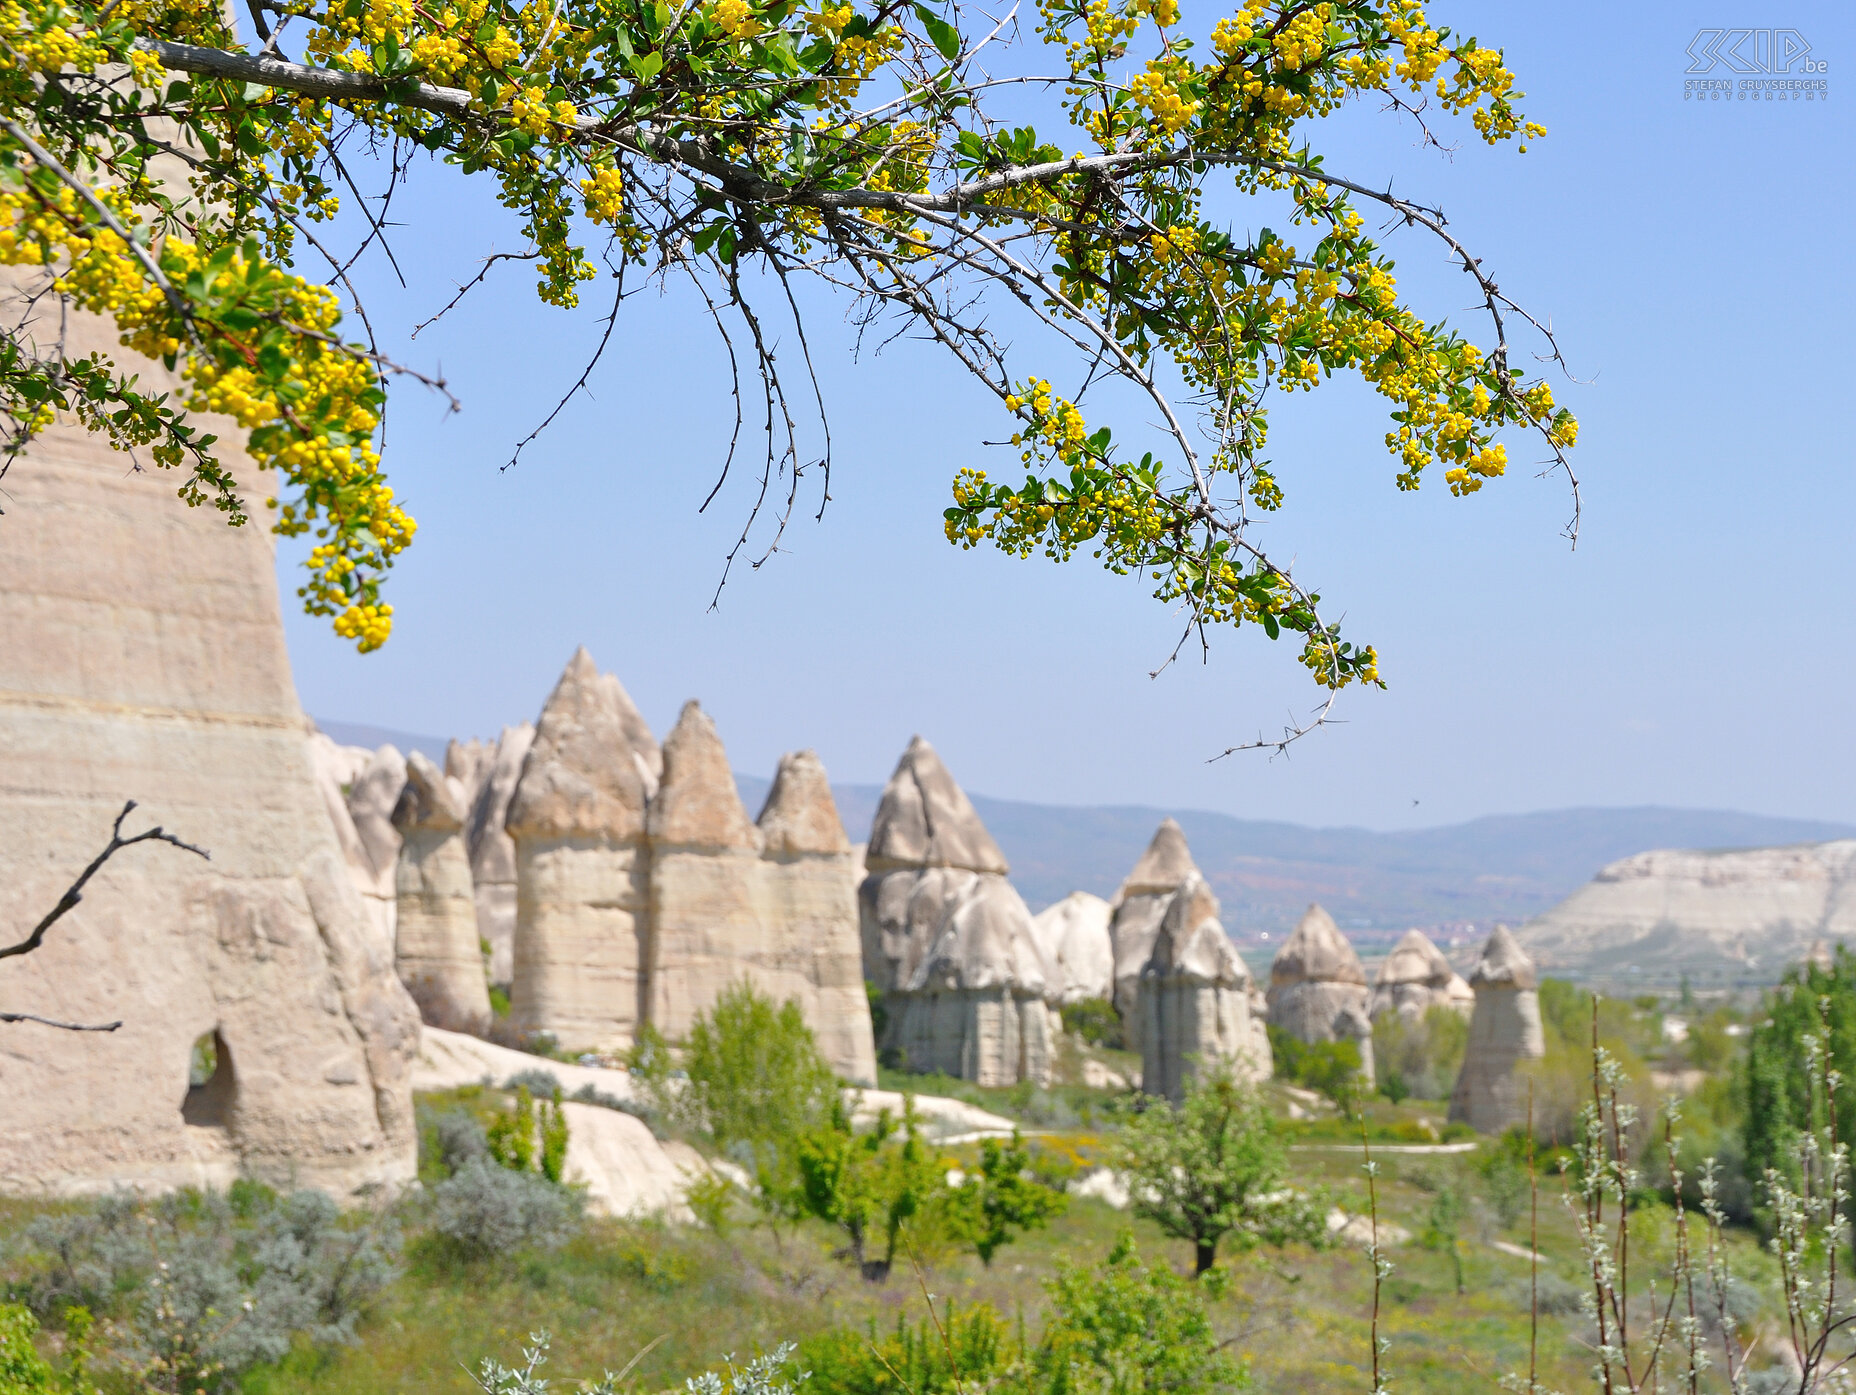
point(1504, 964)
point(1317, 952)
point(1415, 959)
point(926, 820)
point(698, 805)
point(431, 802)
point(800, 815)
point(1165, 865)
point(586, 775)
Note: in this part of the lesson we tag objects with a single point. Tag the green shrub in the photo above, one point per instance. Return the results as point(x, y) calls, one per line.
point(1330, 1067)
point(1095, 1021)
point(1419, 1058)
point(966, 1350)
point(200, 1287)
point(486, 1209)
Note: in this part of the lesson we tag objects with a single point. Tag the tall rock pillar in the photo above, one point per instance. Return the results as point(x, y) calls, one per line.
point(1504, 1033)
point(808, 887)
point(436, 946)
point(142, 657)
point(1195, 999)
point(577, 819)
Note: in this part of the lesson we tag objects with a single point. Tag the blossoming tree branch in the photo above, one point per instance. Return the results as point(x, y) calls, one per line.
point(157, 170)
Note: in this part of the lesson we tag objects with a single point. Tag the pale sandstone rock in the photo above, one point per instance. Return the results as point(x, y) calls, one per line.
point(975, 1005)
point(1077, 944)
point(926, 820)
point(435, 945)
point(945, 936)
point(1316, 976)
point(626, 1172)
point(582, 868)
point(1195, 998)
point(940, 1119)
point(1139, 907)
point(493, 851)
point(808, 893)
point(142, 656)
point(705, 924)
point(335, 769)
point(1504, 1032)
point(468, 762)
point(371, 797)
point(1415, 977)
point(1709, 914)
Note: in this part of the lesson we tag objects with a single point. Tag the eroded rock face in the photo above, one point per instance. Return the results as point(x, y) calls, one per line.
point(946, 937)
point(142, 656)
point(1077, 945)
point(974, 1007)
point(493, 851)
point(1195, 999)
point(436, 951)
point(808, 891)
point(468, 762)
point(1139, 907)
point(1719, 916)
point(1315, 978)
point(577, 819)
point(1415, 977)
point(926, 820)
point(1504, 1032)
point(372, 796)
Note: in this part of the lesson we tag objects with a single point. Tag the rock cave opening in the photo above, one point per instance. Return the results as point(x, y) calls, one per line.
point(211, 1085)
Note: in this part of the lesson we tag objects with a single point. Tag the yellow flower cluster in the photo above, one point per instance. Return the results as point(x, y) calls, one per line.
point(735, 18)
point(1160, 91)
point(314, 425)
point(604, 192)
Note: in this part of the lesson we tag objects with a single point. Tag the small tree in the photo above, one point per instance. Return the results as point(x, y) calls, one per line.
point(868, 1184)
point(1129, 1328)
point(1002, 1198)
point(1213, 1167)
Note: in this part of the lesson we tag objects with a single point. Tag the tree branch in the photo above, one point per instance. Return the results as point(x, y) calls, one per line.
point(75, 892)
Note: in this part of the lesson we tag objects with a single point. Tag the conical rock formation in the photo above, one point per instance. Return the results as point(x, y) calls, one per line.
point(926, 820)
point(808, 895)
point(705, 858)
point(1415, 977)
point(945, 936)
point(142, 656)
point(1504, 1033)
point(1140, 906)
point(435, 949)
point(1315, 977)
point(1195, 999)
point(1078, 948)
point(577, 819)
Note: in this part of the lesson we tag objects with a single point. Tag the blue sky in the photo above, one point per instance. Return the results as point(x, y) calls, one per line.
point(1693, 650)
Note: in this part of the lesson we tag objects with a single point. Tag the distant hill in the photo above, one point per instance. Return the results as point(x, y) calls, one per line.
point(1453, 880)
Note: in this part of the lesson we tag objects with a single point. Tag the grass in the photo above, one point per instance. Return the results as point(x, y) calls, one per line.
point(1298, 1319)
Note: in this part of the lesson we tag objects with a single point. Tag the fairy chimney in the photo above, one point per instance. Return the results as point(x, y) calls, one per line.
point(577, 819)
point(436, 945)
point(1195, 999)
point(1139, 907)
point(493, 851)
point(1504, 1032)
point(945, 936)
point(1316, 976)
point(808, 891)
point(1415, 977)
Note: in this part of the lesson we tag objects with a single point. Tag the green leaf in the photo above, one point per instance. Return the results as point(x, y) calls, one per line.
point(647, 66)
point(946, 37)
